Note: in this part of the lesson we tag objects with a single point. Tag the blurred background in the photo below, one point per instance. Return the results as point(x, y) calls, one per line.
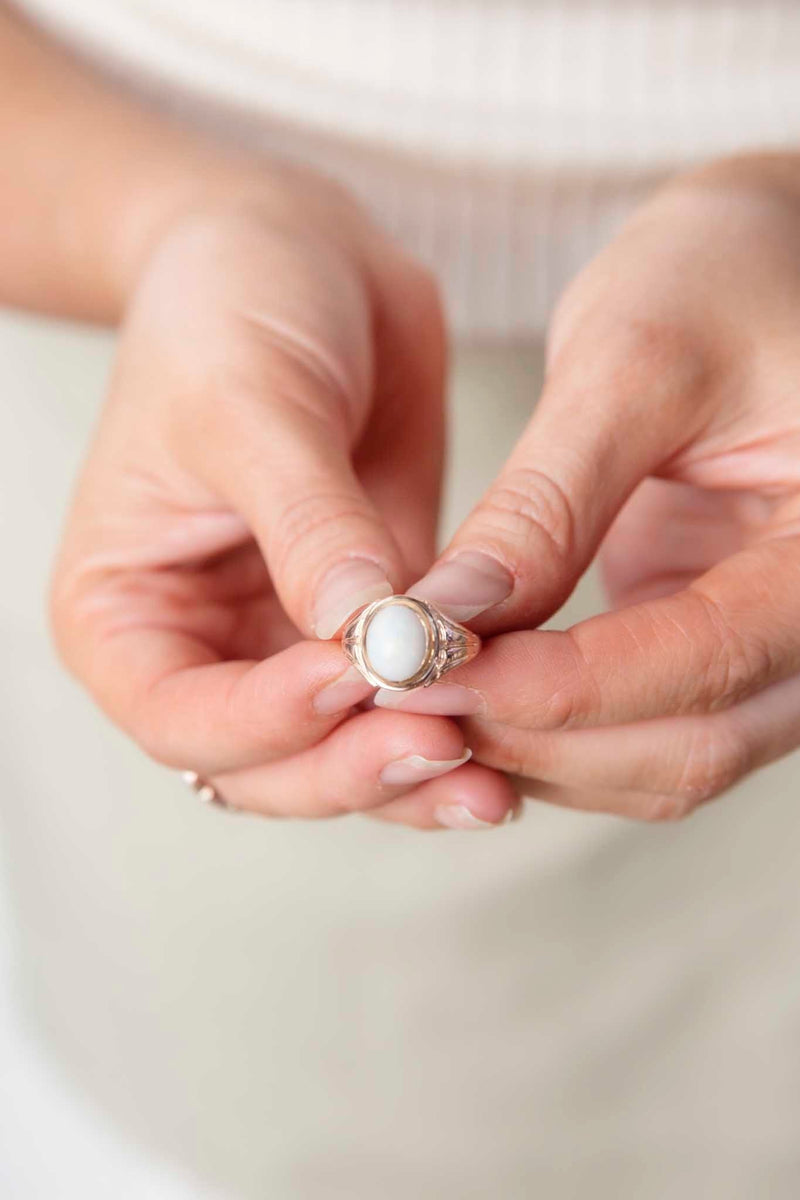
point(190, 1008)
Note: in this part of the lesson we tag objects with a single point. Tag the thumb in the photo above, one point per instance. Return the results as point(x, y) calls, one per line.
point(275, 435)
point(340, 506)
point(284, 464)
point(605, 420)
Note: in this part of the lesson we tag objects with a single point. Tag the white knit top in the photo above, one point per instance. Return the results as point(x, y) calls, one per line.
point(502, 140)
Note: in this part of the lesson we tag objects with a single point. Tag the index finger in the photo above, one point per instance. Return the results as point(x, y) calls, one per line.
point(728, 635)
point(190, 709)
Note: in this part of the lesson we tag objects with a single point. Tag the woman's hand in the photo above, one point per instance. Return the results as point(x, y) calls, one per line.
point(269, 456)
point(668, 431)
point(268, 460)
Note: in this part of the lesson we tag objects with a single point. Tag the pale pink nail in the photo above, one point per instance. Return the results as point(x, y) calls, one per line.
point(466, 585)
point(406, 772)
point(347, 587)
point(458, 816)
point(441, 700)
point(349, 689)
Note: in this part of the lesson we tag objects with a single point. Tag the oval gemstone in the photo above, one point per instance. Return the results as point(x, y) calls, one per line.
point(396, 643)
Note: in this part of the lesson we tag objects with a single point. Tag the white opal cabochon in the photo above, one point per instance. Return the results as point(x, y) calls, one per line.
point(396, 643)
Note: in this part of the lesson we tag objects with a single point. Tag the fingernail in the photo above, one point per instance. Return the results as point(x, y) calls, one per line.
point(416, 769)
point(347, 587)
point(458, 816)
point(441, 700)
point(349, 689)
point(466, 585)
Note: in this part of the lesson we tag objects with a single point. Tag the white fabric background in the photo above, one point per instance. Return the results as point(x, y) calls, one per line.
point(194, 1005)
point(198, 1005)
point(501, 141)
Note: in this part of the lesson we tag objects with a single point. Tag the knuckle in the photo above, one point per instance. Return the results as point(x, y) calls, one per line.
point(717, 757)
point(635, 356)
point(288, 392)
point(299, 373)
point(575, 693)
point(667, 351)
point(319, 519)
point(528, 508)
point(562, 710)
point(734, 665)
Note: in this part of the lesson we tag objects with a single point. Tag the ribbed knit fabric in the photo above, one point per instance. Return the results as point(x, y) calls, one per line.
point(501, 140)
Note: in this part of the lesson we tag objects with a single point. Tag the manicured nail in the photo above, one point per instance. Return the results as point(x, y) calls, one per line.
point(416, 769)
point(466, 585)
point(347, 587)
point(349, 689)
point(458, 816)
point(441, 700)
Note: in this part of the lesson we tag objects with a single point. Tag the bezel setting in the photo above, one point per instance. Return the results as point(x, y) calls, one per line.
point(448, 644)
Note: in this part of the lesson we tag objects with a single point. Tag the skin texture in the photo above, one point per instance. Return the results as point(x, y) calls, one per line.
point(668, 440)
point(278, 357)
point(247, 450)
point(257, 471)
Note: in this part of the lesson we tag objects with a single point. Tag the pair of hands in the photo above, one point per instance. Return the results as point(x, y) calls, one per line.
point(269, 460)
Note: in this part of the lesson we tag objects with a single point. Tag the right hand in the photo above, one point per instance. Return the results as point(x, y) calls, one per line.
point(268, 461)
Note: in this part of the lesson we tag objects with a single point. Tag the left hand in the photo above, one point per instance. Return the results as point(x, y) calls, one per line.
point(669, 434)
point(255, 476)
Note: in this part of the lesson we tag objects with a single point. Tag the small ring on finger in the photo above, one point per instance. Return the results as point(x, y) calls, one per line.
point(205, 791)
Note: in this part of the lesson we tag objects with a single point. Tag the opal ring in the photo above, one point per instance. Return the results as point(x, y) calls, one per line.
point(402, 643)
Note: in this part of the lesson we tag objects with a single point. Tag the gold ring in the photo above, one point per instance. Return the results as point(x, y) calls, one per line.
point(402, 643)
